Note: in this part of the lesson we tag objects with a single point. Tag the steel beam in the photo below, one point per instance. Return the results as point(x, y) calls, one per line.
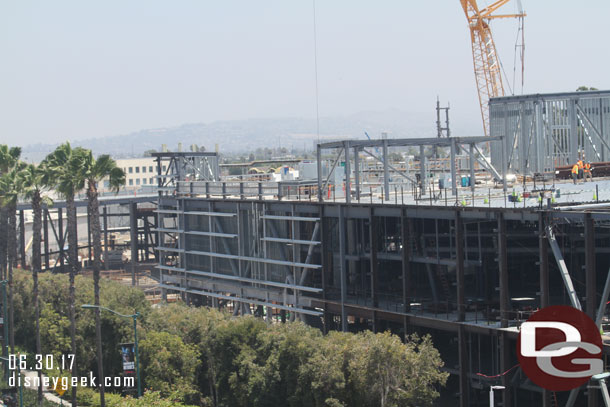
point(563, 269)
point(133, 234)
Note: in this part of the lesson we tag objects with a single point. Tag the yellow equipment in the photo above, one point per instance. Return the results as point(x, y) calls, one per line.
point(487, 70)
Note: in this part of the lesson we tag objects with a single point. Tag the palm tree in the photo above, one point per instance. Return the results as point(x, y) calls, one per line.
point(94, 171)
point(65, 168)
point(33, 181)
point(8, 158)
point(9, 190)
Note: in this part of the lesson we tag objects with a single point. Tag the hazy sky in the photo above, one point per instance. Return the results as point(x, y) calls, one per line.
point(81, 69)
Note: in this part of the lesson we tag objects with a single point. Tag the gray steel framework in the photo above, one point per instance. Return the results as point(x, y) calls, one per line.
point(473, 274)
point(544, 131)
point(350, 151)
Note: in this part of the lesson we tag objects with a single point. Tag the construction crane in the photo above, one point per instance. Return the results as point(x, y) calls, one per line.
point(487, 69)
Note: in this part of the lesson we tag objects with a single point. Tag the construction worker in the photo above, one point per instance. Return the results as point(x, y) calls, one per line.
point(580, 168)
point(587, 171)
point(575, 173)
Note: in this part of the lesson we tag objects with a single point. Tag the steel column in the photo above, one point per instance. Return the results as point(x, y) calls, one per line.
point(386, 172)
point(133, 234)
point(472, 160)
point(45, 228)
point(22, 238)
point(319, 163)
point(357, 172)
point(348, 189)
point(503, 269)
point(463, 366)
point(459, 265)
point(453, 172)
point(373, 232)
point(422, 169)
point(105, 221)
point(342, 267)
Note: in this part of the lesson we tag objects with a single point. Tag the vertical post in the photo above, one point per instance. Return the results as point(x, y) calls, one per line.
point(503, 270)
point(573, 131)
point(590, 283)
point(342, 267)
point(135, 336)
point(543, 249)
point(22, 238)
point(406, 268)
point(61, 236)
point(319, 159)
point(348, 189)
point(463, 360)
point(422, 169)
point(373, 259)
point(459, 254)
point(452, 166)
point(45, 225)
point(386, 172)
point(505, 364)
point(544, 263)
point(472, 161)
point(504, 165)
point(133, 233)
point(5, 321)
point(357, 172)
point(105, 220)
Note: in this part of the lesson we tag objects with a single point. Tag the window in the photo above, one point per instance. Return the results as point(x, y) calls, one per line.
point(137, 170)
point(130, 182)
point(137, 181)
point(164, 168)
point(143, 169)
point(150, 181)
point(131, 170)
point(106, 184)
point(144, 181)
point(150, 169)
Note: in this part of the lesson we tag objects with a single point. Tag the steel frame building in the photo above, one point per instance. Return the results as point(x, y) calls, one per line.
point(467, 276)
point(544, 131)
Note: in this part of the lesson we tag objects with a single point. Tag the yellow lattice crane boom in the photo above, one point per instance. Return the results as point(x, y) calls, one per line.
point(487, 70)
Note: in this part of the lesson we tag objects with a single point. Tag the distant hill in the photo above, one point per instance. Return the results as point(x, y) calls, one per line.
point(238, 136)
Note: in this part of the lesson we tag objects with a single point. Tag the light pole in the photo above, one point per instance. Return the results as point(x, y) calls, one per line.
point(491, 394)
point(135, 334)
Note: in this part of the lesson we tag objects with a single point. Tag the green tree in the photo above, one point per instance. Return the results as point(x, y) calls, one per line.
point(94, 171)
point(585, 88)
point(65, 167)
point(33, 181)
point(9, 193)
point(170, 366)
